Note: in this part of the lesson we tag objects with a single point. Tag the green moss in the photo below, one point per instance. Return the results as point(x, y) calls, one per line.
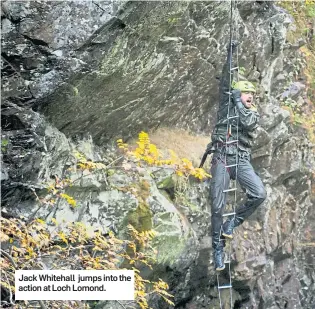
point(110, 172)
point(182, 199)
point(115, 57)
point(173, 20)
point(140, 218)
point(4, 145)
point(166, 183)
point(75, 91)
point(170, 241)
point(168, 247)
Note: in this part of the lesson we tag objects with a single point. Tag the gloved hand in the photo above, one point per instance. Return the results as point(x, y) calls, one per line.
point(210, 148)
point(236, 95)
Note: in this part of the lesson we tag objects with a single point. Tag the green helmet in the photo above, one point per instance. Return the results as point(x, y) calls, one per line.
point(245, 86)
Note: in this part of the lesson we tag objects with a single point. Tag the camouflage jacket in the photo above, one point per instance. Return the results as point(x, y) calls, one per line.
point(247, 120)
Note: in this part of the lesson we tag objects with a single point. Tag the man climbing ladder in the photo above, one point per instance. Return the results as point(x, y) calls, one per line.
point(237, 118)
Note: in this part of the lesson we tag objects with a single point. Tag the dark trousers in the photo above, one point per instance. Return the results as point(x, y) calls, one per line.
point(249, 182)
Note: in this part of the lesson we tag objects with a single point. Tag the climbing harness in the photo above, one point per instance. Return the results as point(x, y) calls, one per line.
point(230, 214)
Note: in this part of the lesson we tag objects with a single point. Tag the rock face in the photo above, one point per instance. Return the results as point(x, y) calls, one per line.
point(158, 64)
point(39, 39)
point(75, 77)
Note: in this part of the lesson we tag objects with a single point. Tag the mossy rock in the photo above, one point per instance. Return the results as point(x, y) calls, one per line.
point(169, 248)
point(171, 240)
point(166, 183)
point(140, 218)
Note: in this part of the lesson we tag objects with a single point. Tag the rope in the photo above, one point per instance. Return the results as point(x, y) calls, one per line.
point(233, 5)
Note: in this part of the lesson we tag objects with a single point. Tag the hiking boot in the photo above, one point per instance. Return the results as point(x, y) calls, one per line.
point(218, 257)
point(229, 226)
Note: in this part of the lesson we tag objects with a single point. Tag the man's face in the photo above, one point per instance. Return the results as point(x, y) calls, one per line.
point(247, 99)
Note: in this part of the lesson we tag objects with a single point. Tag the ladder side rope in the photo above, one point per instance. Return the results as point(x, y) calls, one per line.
point(227, 134)
point(229, 130)
point(237, 161)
